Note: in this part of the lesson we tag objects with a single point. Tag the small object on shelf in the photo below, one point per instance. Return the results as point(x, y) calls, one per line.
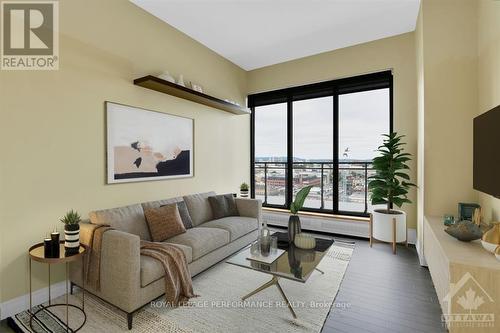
point(195, 86)
point(464, 231)
point(305, 241)
point(491, 238)
point(449, 220)
point(180, 81)
point(466, 211)
point(244, 190)
point(167, 77)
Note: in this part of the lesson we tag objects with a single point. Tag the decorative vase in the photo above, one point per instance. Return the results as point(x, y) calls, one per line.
point(491, 238)
point(293, 227)
point(167, 77)
point(181, 81)
point(304, 241)
point(265, 240)
point(72, 238)
point(244, 193)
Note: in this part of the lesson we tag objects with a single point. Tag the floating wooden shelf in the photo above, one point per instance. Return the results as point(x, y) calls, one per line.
point(166, 87)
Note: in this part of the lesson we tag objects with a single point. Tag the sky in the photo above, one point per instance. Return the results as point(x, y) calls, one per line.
point(363, 118)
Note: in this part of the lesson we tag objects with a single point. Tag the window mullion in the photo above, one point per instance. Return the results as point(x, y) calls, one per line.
point(289, 175)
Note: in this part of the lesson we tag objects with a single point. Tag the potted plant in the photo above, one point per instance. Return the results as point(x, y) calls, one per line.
point(294, 221)
point(389, 186)
point(244, 190)
point(71, 232)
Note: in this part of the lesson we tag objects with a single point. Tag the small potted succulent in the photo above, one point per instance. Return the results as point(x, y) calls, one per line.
point(71, 232)
point(244, 190)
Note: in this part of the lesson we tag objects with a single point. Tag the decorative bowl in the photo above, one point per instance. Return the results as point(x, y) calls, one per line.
point(490, 247)
point(497, 253)
point(304, 241)
point(465, 231)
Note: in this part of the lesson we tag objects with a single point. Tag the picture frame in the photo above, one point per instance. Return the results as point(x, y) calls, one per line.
point(145, 145)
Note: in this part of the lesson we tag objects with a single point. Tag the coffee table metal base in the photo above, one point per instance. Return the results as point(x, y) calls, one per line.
point(272, 282)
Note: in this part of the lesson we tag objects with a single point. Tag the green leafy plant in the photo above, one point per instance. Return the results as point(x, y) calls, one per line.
point(244, 187)
point(71, 217)
point(300, 198)
point(391, 183)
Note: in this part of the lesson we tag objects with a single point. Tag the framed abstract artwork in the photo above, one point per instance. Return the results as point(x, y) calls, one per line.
point(147, 145)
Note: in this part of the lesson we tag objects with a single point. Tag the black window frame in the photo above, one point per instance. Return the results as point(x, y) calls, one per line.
point(334, 88)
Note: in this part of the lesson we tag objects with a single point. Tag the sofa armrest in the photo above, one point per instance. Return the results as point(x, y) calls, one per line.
point(250, 208)
point(121, 269)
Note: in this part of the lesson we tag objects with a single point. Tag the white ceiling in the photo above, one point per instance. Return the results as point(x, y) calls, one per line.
point(258, 33)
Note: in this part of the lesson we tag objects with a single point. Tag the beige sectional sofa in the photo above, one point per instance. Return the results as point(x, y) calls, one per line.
point(129, 281)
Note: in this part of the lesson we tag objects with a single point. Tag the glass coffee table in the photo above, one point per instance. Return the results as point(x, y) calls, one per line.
point(294, 264)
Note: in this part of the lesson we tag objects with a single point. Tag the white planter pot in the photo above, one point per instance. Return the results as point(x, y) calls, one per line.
point(382, 227)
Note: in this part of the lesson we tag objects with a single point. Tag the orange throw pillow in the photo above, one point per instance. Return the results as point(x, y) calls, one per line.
point(164, 222)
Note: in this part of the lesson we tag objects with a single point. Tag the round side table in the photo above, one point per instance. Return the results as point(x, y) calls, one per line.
point(36, 253)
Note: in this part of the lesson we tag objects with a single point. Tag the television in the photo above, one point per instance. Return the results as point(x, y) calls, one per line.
point(486, 164)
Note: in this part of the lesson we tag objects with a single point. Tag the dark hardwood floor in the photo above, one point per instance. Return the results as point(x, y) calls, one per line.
point(382, 292)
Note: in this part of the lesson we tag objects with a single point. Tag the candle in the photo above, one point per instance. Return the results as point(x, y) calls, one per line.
point(47, 247)
point(54, 236)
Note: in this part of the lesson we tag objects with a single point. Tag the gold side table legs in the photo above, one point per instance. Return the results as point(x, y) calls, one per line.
point(273, 281)
point(50, 305)
point(372, 239)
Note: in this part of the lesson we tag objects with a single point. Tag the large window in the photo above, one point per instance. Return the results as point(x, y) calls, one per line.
point(324, 135)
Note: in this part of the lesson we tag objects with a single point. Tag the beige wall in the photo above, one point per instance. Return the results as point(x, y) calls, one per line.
point(489, 79)
point(396, 53)
point(53, 130)
point(449, 49)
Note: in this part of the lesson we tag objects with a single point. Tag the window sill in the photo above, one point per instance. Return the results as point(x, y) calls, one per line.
point(323, 215)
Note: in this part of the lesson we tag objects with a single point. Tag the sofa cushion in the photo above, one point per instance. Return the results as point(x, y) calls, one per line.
point(152, 269)
point(199, 207)
point(127, 219)
point(237, 226)
point(164, 222)
point(223, 205)
point(202, 240)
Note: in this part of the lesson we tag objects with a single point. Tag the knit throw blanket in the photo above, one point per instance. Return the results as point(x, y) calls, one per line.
point(92, 238)
point(178, 284)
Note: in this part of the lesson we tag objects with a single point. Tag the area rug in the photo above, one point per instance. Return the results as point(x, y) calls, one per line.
point(219, 307)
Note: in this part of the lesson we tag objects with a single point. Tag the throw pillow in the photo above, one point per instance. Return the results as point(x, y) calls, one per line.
point(223, 206)
point(184, 213)
point(164, 222)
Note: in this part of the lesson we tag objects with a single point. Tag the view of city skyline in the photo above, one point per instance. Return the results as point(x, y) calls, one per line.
point(363, 118)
